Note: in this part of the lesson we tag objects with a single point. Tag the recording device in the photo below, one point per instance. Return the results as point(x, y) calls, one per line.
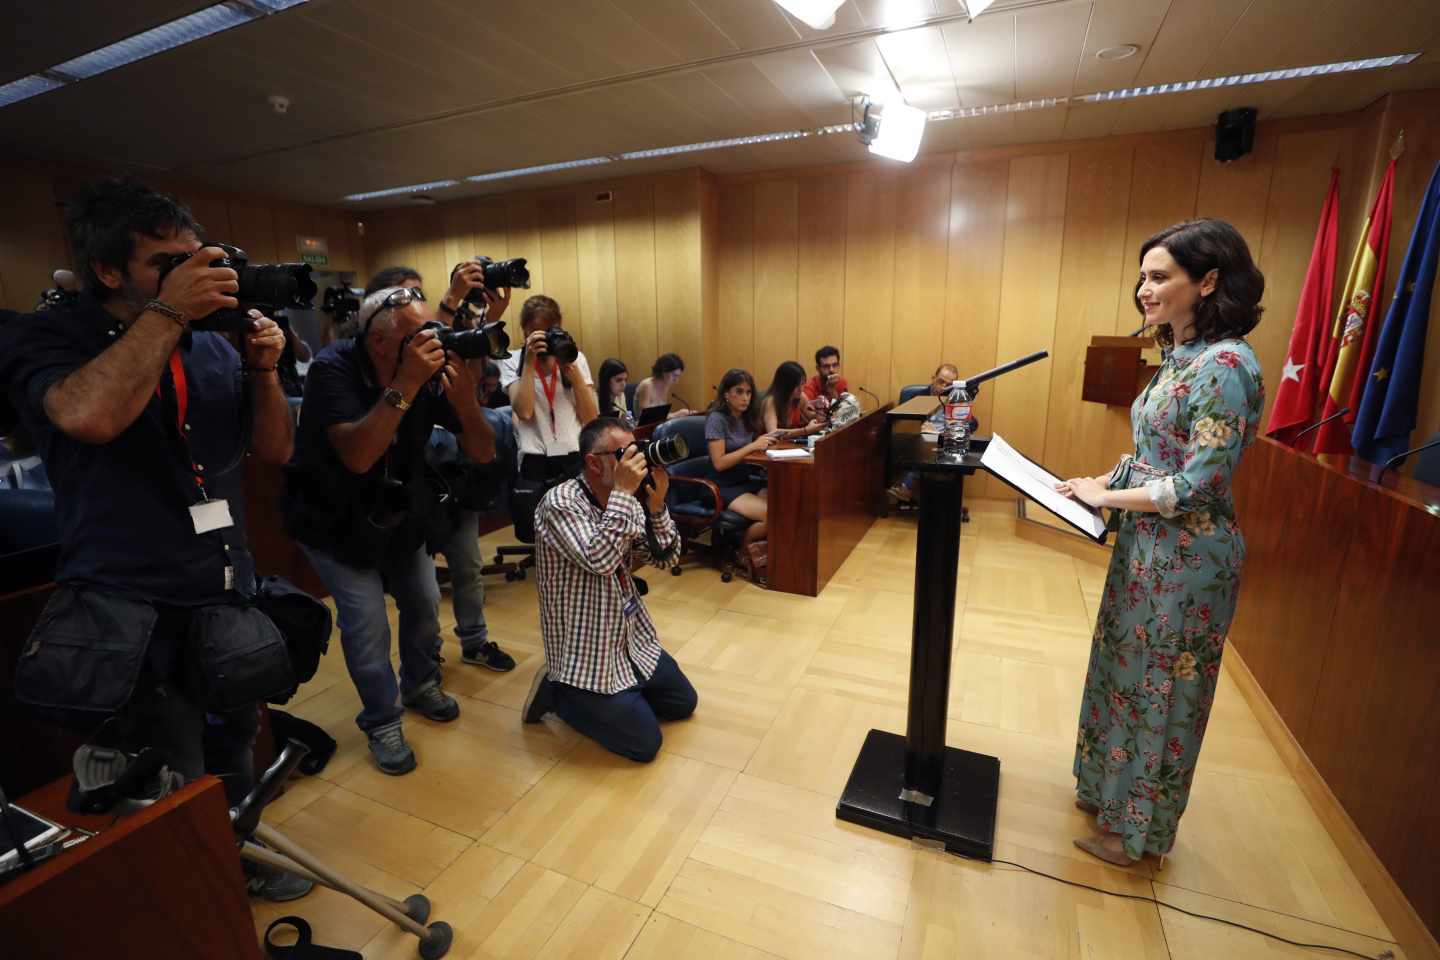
point(561, 345)
point(665, 452)
point(55, 298)
point(497, 274)
point(341, 302)
point(263, 286)
point(488, 341)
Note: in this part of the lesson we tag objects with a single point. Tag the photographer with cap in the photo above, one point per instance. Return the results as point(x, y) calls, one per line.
point(143, 424)
point(605, 673)
point(360, 501)
point(461, 545)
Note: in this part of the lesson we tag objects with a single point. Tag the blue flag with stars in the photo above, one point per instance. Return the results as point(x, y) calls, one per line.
point(1392, 391)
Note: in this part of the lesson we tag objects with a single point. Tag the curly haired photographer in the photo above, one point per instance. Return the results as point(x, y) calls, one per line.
point(361, 503)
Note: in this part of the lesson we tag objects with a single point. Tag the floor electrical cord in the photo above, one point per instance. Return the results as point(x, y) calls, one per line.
point(1384, 955)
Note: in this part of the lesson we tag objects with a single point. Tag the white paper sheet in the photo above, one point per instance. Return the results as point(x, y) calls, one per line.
point(788, 454)
point(1039, 485)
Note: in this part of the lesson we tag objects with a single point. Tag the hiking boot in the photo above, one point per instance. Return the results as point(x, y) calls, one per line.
point(540, 700)
point(271, 883)
point(432, 703)
point(392, 754)
point(488, 655)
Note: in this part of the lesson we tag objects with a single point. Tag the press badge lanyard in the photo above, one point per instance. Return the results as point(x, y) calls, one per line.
point(550, 387)
point(207, 515)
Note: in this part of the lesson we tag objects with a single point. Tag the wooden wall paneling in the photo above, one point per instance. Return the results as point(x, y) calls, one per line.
point(776, 261)
point(869, 276)
point(562, 262)
point(522, 236)
point(922, 249)
point(336, 229)
point(389, 243)
point(1303, 162)
point(490, 233)
point(33, 246)
point(820, 265)
point(635, 275)
point(457, 225)
point(1096, 217)
point(595, 255)
point(429, 248)
point(1029, 288)
point(735, 329)
point(678, 283)
point(290, 222)
point(709, 288)
point(212, 213)
point(972, 282)
point(252, 228)
point(1238, 192)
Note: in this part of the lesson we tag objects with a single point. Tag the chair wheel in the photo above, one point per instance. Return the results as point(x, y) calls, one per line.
point(675, 571)
point(726, 577)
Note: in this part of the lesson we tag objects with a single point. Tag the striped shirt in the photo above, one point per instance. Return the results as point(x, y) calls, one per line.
point(582, 559)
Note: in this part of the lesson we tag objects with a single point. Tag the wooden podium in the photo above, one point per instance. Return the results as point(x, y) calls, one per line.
point(1115, 370)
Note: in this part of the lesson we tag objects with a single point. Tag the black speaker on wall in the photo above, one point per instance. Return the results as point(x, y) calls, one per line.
point(1234, 134)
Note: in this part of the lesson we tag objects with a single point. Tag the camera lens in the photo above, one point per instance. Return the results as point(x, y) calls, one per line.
point(667, 451)
point(561, 345)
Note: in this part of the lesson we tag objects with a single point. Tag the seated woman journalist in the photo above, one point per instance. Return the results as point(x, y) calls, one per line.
point(784, 409)
point(733, 431)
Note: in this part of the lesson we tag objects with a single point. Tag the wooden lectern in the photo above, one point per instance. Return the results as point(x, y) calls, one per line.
point(1115, 370)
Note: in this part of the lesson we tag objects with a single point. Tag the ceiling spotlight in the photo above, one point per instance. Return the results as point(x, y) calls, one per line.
point(977, 7)
point(1123, 51)
point(815, 14)
point(897, 130)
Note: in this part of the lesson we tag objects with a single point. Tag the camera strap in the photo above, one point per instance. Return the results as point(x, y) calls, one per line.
point(550, 386)
point(181, 388)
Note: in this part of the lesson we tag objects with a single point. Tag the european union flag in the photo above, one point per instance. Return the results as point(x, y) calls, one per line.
point(1392, 391)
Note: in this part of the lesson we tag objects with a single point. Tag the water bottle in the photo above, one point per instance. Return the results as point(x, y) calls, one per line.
point(955, 437)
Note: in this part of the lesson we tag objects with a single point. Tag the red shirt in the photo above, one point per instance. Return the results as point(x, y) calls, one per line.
point(812, 388)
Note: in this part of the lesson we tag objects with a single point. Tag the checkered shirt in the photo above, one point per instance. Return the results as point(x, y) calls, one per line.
point(582, 557)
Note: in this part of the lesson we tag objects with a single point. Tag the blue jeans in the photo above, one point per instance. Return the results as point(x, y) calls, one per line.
point(365, 628)
point(627, 722)
point(467, 587)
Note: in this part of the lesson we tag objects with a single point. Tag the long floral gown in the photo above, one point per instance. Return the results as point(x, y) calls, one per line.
point(1169, 595)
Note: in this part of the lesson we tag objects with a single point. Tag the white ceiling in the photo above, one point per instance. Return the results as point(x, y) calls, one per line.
point(385, 94)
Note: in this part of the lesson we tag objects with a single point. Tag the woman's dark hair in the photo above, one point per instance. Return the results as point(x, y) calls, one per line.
point(539, 307)
point(666, 363)
point(733, 378)
point(104, 218)
point(391, 277)
point(609, 369)
point(1233, 308)
point(789, 377)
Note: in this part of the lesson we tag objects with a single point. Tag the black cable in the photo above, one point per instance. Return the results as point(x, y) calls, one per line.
point(1385, 955)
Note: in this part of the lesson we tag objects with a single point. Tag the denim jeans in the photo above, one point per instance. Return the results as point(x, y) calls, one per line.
point(627, 722)
point(365, 628)
point(467, 587)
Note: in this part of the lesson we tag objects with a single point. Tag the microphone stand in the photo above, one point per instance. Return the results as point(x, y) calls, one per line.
point(1399, 458)
point(1320, 423)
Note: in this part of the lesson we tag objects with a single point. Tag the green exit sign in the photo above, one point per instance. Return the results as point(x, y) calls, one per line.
point(313, 250)
point(315, 259)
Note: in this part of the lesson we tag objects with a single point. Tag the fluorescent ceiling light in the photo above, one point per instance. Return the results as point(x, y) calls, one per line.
point(715, 144)
point(815, 14)
point(397, 191)
point(901, 129)
point(167, 36)
point(1241, 79)
point(542, 168)
point(977, 7)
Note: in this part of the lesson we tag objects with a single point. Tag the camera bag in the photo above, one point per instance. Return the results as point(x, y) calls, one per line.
point(238, 657)
point(304, 622)
point(86, 651)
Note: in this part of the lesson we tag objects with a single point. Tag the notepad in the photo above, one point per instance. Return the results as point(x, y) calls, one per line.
point(795, 454)
point(1037, 483)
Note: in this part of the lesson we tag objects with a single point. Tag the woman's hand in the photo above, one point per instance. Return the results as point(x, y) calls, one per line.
point(766, 440)
point(1088, 490)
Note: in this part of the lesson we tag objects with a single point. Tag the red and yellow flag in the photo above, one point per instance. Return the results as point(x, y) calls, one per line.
point(1352, 336)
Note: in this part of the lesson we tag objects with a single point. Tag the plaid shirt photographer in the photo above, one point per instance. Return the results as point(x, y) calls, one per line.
point(607, 674)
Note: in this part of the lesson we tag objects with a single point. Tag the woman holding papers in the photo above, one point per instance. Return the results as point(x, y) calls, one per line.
point(1175, 571)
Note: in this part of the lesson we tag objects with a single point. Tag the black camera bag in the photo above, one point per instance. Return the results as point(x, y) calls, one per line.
point(86, 651)
point(238, 657)
point(304, 622)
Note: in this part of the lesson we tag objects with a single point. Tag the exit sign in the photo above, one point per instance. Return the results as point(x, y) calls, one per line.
point(313, 250)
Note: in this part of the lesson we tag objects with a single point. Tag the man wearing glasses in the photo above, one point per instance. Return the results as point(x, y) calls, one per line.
point(357, 499)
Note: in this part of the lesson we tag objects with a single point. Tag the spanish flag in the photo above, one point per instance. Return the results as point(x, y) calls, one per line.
point(1352, 337)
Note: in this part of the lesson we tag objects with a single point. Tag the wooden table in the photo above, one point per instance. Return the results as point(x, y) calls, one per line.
point(820, 506)
point(162, 882)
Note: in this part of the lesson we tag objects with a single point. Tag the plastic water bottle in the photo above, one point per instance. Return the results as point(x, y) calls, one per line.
point(955, 437)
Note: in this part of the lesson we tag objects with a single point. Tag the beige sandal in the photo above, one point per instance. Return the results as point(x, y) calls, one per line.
point(1096, 848)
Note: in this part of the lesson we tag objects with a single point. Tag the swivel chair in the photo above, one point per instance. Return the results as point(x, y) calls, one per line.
point(694, 499)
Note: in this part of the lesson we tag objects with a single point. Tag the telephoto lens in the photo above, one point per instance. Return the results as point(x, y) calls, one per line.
point(501, 273)
point(489, 342)
point(264, 287)
point(561, 345)
point(666, 451)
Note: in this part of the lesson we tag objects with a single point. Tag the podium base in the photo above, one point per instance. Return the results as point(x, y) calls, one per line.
point(962, 816)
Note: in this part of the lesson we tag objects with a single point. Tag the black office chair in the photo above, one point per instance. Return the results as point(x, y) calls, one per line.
point(913, 390)
point(694, 499)
point(630, 398)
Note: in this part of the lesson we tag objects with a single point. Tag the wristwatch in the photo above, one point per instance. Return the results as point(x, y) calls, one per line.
point(396, 399)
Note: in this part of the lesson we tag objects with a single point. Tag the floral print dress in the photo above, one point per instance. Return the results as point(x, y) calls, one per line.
point(1169, 595)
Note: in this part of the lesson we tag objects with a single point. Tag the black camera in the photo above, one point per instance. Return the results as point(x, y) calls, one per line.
point(341, 302)
point(497, 274)
point(264, 286)
point(659, 453)
point(489, 341)
point(561, 345)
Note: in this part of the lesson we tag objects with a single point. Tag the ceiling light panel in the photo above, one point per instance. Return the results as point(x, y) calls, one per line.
point(26, 87)
point(398, 191)
point(542, 168)
point(167, 36)
point(1243, 79)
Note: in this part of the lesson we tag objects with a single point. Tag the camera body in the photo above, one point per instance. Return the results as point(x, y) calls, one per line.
point(488, 341)
point(341, 302)
point(499, 273)
point(262, 286)
point(560, 345)
point(665, 452)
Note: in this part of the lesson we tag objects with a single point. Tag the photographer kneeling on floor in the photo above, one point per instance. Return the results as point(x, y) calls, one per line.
point(605, 673)
point(141, 420)
point(361, 502)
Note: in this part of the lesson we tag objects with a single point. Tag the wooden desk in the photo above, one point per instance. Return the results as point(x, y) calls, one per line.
point(916, 408)
point(1337, 623)
point(821, 506)
point(162, 882)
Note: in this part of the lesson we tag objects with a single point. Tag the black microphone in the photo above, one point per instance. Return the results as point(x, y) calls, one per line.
point(870, 395)
point(1399, 458)
point(684, 404)
point(1316, 426)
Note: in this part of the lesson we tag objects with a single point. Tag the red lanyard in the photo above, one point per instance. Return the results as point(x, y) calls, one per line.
point(549, 386)
point(182, 406)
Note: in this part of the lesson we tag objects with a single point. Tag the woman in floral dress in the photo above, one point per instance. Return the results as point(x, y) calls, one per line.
point(1175, 572)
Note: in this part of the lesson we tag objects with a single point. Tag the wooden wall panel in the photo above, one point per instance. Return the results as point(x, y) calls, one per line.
point(776, 260)
point(820, 287)
point(252, 228)
point(557, 251)
point(595, 255)
point(33, 245)
point(522, 236)
point(1096, 214)
point(869, 276)
point(457, 228)
point(635, 275)
point(736, 282)
point(678, 293)
point(491, 236)
point(922, 245)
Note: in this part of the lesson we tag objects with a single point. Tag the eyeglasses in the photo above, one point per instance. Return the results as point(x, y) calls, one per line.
point(397, 299)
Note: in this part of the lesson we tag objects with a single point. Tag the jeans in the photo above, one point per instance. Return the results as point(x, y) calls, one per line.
point(627, 722)
point(365, 628)
point(467, 587)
